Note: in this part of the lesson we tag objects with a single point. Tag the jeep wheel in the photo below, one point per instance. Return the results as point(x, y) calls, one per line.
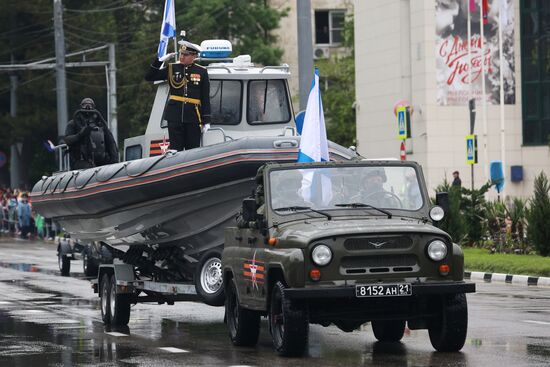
point(64, 263)
point(388, 330)
point(289, 325)
point(448, 330)
point(209, 280)
point(243, 324)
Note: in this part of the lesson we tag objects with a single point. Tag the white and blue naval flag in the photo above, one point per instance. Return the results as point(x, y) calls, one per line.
point(168, 28)
point(316, 188)
point(314, 145)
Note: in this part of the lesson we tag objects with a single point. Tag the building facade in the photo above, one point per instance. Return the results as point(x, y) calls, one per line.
point(327, 25)
point(418, 51)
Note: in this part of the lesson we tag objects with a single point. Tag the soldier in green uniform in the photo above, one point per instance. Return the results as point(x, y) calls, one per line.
point(188, 108)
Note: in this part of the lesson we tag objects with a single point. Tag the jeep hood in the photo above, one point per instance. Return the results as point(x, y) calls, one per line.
point(304, 232)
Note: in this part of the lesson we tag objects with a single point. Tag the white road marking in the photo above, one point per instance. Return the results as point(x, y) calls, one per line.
point(63, 321)
point(71, 327)
point(537, 322)
point(114, 333)
point(32, 311)
point(5, 303)
point(173, 350)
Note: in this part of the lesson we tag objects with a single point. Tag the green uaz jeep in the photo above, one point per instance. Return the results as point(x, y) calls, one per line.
point(343, 243)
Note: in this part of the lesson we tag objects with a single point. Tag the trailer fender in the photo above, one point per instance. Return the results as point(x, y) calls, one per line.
point(123, 272)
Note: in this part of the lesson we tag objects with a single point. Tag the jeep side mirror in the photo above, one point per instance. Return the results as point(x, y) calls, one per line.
point(249, 210)
point(442, 200)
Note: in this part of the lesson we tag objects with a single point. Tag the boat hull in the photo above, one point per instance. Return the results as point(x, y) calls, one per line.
point(184, 199)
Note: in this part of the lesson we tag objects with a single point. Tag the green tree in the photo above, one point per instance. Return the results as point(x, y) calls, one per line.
point(26, 35)
point(338, 75)
point(453, 223)
point(538, 216)
point(473, 207)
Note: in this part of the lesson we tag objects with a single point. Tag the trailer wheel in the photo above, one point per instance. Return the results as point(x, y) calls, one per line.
point(289, 324)
point(243, 324)
point(388, 330)
point(448, 331)
point(105, 299)
point(119, 305)
point(64, 263)
point(209, 279)
point(89, 265)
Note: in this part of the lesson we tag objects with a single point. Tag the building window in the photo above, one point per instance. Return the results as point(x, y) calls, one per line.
point(535, 71)
point(329, 27)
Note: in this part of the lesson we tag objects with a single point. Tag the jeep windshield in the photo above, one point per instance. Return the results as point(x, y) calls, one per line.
point(367, 188)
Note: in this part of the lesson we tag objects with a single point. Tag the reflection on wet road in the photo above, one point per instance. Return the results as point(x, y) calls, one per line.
point(49, 320)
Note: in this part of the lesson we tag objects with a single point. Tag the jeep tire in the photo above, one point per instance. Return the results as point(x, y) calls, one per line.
point(288, 324)
point(448, 330)
point(388, 330)
point(243, 324)
point(208, 278)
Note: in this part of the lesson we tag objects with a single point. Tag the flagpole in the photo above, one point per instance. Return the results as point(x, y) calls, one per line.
point(483, 97)
point(501, 66)
point(470, 91)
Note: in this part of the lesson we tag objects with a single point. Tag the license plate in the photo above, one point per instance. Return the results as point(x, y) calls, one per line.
point(383, 290)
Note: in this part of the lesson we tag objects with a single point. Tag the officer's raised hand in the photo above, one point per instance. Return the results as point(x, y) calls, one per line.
point(167, 56)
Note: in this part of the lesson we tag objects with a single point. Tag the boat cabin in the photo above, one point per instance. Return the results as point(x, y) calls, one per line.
point(246, 100)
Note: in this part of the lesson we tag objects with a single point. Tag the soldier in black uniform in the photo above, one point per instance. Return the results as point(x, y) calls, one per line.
point(90, 142)
point(188, 108)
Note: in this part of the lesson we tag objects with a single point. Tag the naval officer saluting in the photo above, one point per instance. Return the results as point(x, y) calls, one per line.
point(188, 108)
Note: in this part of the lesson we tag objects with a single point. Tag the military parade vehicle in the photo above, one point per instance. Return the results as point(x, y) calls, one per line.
point(343, 243)
point(161, 214)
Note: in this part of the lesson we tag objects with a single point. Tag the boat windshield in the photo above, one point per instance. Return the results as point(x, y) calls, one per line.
point(367, 188)
point(267, 102)
point(225, 101)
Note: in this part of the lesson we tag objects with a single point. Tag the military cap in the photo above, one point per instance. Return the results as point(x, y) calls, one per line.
point(189, 47)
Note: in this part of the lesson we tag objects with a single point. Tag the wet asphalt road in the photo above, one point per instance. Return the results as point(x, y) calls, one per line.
point(50, 320)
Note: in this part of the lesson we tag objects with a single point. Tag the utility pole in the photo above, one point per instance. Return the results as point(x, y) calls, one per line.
point(305, 49)
point(113, 121)
point(61, 83)
point(15, 178)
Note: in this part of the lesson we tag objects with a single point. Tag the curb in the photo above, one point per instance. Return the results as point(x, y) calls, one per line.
point(508, 278)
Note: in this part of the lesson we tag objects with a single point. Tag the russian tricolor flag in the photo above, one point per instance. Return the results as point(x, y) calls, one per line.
point(316, 187)
point(314, 145)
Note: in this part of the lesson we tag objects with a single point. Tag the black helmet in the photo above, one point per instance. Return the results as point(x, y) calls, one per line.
point(87, 104)
point(376, 171)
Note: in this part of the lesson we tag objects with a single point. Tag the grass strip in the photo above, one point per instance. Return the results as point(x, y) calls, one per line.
point(476, 259)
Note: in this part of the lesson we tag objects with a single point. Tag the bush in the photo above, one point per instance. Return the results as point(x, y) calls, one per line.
point(538, 216)
point(453, 222)
point(473, 207)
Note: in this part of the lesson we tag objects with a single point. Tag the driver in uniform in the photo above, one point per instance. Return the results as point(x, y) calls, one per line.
point(373, 189)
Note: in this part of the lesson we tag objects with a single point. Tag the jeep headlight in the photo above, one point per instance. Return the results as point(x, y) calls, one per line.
point(321, 255)
point(437, 250)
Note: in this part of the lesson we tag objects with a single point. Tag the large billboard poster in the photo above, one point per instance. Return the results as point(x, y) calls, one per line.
point(455, 83)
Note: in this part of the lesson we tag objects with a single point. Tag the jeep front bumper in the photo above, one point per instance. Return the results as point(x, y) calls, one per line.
point(418, 289)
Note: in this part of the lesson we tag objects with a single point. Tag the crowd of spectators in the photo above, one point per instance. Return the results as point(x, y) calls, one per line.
point(17, 218)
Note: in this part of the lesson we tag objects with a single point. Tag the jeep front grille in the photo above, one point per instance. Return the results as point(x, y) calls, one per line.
point(379, 264)
point(378, 243)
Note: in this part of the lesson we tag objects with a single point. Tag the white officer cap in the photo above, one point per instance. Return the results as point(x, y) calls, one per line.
point(188, 46)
